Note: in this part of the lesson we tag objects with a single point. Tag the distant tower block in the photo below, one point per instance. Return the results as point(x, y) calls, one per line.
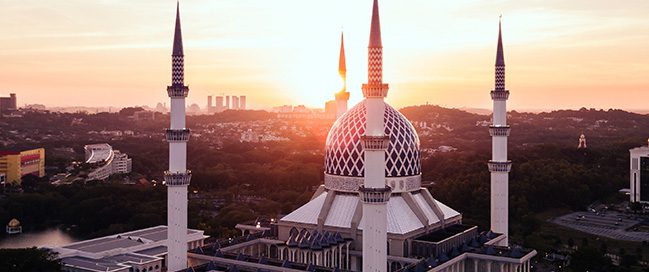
point(343, 96)
point(242, 102)
point(235, 102)
point(227, 102)
point(218, 103)
point(209, 103)
point(177, 177)
point(499, 166)
point(582, 142)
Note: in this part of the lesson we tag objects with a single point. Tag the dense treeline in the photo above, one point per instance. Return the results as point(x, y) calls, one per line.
point(28, 259)
point(88, 210)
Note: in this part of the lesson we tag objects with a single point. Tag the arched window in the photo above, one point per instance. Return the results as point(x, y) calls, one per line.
point(293, 231)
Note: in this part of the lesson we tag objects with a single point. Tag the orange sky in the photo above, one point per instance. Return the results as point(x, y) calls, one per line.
point(559, 54)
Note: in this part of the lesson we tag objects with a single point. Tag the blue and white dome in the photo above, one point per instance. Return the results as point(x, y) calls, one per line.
point(344, 154)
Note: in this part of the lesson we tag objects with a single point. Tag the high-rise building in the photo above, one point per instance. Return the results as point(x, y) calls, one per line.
point(499, 166)
point(8, 104)
point(227, 102)
point(209, 103)
point(343, 95)
point(177, 178)
point(218, 104)
point(639, 174)
point(242, 102)
point(16, 164)
point(235, 102)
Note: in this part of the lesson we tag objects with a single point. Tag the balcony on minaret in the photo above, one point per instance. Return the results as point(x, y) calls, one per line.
point(499, 130)
point(496, 166)
point(181, 178)
point(499, 95)
point(375, 195)
point(375, 90)
point(375, 143)
point(342, 95)
point(177, 135)
point(177, 91)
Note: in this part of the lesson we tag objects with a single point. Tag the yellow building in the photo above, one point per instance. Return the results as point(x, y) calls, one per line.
point(16, 164)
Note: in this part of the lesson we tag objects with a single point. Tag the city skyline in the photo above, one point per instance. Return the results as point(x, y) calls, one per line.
point(279, 56)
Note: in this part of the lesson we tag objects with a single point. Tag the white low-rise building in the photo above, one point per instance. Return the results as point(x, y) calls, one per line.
point(639, 174)
point(107, 161)
point(135, 251)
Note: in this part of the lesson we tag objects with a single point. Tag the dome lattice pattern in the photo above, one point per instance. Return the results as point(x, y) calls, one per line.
point(344, 150)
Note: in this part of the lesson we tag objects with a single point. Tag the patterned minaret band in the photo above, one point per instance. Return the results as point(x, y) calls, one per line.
point(375, 86)
point(177, 178)
point(499, 166)
point(374, 193)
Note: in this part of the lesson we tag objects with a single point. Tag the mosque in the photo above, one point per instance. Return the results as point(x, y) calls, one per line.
point(371, 213)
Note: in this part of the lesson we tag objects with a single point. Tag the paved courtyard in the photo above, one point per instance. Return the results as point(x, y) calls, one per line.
point(610, 224)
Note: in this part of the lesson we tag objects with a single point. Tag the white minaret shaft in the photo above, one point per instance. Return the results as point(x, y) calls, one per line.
point(499, 166)
point(178, 177)
point(374, 193)
point(343, 96)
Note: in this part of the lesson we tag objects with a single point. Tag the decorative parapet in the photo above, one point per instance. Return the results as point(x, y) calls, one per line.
point(177, 91)
point(177, 135)
point(177, 178)
point(375, 90)
point(500, 95)
point(373, 143)
point(495, 166)
point(375, 195)
point(499, 130)
point(351, 184)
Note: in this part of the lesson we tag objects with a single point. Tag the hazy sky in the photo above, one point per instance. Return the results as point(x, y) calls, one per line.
point(559, 54)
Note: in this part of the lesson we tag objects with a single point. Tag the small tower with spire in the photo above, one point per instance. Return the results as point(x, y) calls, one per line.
point(582, 142)
point(499, 166)
point(343, 96)
point(177, 177)
point(374, 193)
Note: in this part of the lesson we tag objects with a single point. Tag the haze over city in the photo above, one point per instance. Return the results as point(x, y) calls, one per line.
point(560, 54)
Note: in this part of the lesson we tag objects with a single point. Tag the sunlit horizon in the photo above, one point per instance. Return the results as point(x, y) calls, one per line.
point(559, 55)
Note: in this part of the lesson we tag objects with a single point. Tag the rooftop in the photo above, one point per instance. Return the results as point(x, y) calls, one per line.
point(445, 233)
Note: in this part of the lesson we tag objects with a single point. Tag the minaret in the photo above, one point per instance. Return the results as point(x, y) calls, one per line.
point(374, 193)
point(343, 96)
point(499, 166)
point(178, 177)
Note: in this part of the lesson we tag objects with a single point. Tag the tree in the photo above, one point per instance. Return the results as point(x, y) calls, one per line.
point(129, 111)
point(589, 259)
point(28, 259)
point(29, 182)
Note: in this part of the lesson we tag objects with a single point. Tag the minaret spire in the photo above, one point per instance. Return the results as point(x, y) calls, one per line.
point(178, 35)
point(342, 65)
point(177, 178)
point(375, 30)
point(342, 96)
point(500, 56)
point(499, 166)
